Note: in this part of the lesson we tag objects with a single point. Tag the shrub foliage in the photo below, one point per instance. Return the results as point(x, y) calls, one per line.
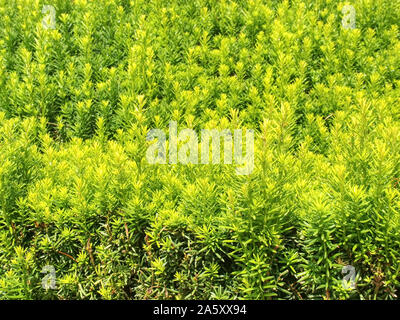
point(77, 193)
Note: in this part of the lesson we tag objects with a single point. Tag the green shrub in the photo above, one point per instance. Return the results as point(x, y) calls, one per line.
point(76, 191)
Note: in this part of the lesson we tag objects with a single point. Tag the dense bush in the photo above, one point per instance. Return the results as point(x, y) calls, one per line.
point(77, 193)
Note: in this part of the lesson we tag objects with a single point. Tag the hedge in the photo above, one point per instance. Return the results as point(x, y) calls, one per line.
point(76, 191)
